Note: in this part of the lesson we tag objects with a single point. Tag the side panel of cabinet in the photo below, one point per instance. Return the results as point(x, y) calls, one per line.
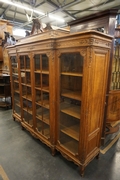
point(113, 107)
point(93, 101)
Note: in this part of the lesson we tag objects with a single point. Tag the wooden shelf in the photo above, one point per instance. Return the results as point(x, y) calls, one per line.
point(45, 72)
point(44, 103)
point(70, 109)
point(25, 70)
point(27, 110)
point(15, 74)
point(43, 131)
point(30, 122)
point(46, 132)
point(14, 68)
point(16, 100)
point(39, 112)
point(42, 72)
point(45, 88)
point(46, 118)
point(16, 64)
point(15, 81)
point(37, 86)
point(71, 146)
point(71, 74)
point(37, 71)
point(72, 94)
point(18, 104)
point(39, 103)
point(25, 84)
point(72, 131)
point(39, 117)
point(28, 97)
point(17, 91)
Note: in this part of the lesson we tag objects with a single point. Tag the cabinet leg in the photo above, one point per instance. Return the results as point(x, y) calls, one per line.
point(53, 151)
point(82, 170)
point(22, 127)
point(97, 157)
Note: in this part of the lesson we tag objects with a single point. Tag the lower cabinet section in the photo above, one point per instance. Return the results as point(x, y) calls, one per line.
point(58, 90)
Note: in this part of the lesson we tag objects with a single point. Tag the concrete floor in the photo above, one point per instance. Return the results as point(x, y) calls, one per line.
point(24, 158)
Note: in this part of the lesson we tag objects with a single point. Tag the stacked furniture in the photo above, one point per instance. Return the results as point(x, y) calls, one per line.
point(5, 91)
point(106, 22)
point(59, 91)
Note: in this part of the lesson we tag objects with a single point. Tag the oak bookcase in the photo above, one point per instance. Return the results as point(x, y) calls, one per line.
point(59, 83)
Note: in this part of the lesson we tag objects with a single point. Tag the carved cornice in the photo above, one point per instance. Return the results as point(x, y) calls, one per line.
point(84, 42)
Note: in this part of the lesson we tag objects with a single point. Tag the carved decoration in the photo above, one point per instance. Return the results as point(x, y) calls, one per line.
point(50, 55)
point(85, 42)
point(58, 53)
point(90, 50)
point(83, 52)
point(52, 45)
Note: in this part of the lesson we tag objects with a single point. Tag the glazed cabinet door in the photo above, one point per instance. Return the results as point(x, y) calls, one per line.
point(41, 92)
point(69, 101)
point(14, 64)
point(26, 90)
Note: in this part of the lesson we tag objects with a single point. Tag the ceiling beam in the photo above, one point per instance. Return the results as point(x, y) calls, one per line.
point(5, 11)
point(14, 14)
point(59, 9)
point(97, 5)
point(39, 4)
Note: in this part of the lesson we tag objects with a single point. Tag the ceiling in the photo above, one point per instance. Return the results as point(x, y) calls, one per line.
point(68, 10)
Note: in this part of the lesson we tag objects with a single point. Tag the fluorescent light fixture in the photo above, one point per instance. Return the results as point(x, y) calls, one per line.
point(56, 18)
point(19, 32)
point(21, 6)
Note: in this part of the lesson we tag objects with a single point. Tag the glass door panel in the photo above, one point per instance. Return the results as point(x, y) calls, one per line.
point(15, 85)
point(71, 72)
point(37, 80)
point(45, 99)
point(45, 63)
point(41, 74)
point(26, 89)
point(28, 78)
point(38, 96)
point(37, 63)
point(45, 82)
point(27, 117)
point(39, 111)
point(17, 107)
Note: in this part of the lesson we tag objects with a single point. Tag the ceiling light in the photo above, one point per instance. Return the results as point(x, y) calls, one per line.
point(21, 6)
point(56, 18)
